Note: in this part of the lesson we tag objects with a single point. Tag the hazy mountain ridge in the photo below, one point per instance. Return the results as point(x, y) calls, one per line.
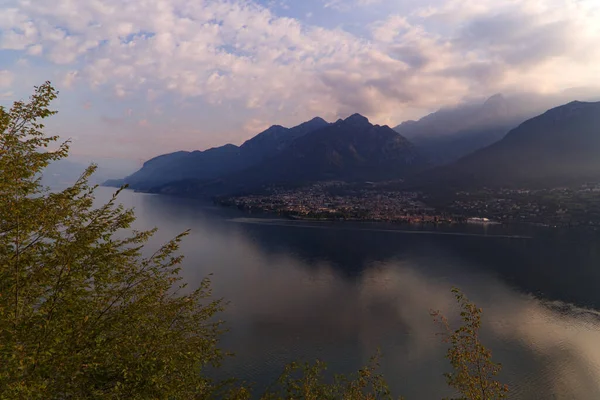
point(558, 147)
point(218, 161)
point(448, 121)
point(451, 133)
point(448, 134)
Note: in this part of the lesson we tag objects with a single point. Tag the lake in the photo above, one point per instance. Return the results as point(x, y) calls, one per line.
point(340, 291)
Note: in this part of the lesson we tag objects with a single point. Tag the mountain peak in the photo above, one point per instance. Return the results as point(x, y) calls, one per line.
point(572, 110)
point(357, 118)
point(496, 105)
point(498, 98)
point(318, 119)
point(274, 128)
point(574, 105)
point(313, 124)
point(577, 103)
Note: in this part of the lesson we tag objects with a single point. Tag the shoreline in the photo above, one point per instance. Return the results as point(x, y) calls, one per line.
point(461, 221)
point(285, 223)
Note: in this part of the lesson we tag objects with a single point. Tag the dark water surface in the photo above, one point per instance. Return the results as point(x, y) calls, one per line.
point(339, 291)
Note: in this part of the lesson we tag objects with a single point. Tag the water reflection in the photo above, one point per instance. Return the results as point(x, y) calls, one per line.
point(339, 294)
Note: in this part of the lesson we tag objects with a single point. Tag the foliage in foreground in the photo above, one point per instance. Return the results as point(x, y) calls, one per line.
point(307, 382)
point(84, 315)
point(474, 375)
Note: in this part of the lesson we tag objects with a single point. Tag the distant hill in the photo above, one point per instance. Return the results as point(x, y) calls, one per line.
point(65, 172)
point(184, 165)
point(451, 133)
point(215, 162)
point(559, 147)
point(352, 149)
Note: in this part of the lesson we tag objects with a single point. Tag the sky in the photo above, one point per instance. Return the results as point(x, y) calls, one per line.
point(138, 78)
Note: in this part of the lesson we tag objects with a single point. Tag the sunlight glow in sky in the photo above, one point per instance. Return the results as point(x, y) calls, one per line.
point(140, 78)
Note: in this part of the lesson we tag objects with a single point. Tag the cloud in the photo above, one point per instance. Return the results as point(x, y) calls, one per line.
point(6, 78)
point(283, 71)
point(539, 46)
point(347, 5)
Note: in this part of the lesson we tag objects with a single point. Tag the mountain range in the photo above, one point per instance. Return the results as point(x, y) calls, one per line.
point(557, 147)
point(216, 162)
point(451, 133)
point(448, 134)
point(349, 149)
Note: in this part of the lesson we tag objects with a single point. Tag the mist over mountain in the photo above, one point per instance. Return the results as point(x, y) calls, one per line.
point(558, 147)
point(451, 133)
point(352, 149)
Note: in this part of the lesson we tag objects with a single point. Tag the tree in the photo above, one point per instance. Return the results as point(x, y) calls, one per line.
point(82, 313)
point(307, 382)
point(474, 371)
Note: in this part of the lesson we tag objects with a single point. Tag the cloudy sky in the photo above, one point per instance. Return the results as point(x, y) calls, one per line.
point(144, 77)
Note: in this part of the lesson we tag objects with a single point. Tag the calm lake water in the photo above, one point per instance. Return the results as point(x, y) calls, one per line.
point(339, 291)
